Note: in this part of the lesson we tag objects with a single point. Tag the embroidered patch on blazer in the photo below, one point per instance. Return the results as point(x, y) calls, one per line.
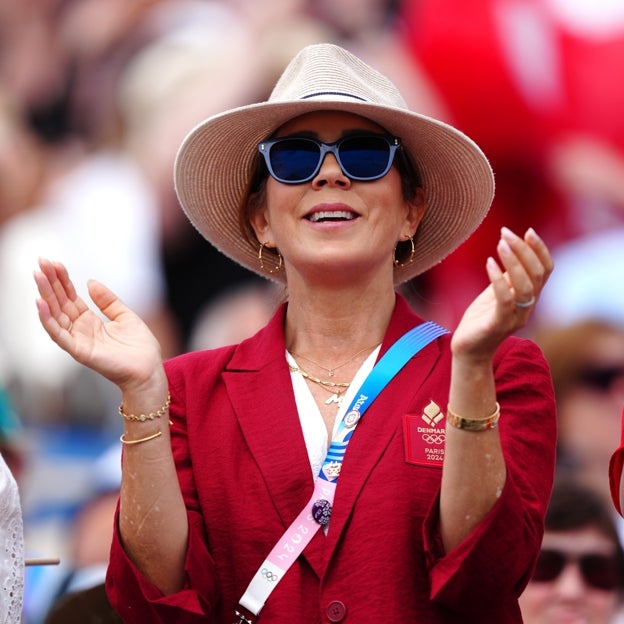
point(424, 437)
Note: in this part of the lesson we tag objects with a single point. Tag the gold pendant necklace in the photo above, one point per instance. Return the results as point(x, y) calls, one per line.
point(336, 398)
point(336, 388)
point(332, 371)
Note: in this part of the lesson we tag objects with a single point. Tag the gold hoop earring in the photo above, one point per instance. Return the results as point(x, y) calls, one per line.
point(280, 263)
point(399, 264)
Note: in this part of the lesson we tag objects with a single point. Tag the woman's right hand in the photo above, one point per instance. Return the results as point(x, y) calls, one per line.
point(123, 349)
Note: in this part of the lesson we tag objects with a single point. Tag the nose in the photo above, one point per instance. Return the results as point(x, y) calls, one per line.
point(330, 173)
point(570, 582)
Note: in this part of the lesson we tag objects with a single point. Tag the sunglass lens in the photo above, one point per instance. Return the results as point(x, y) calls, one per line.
point(549, 565)
point(365, 158)
point(600, 571)
point(294, 160)
point(602, 379)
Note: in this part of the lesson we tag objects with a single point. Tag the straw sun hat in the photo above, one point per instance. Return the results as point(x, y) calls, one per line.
point(213, 164)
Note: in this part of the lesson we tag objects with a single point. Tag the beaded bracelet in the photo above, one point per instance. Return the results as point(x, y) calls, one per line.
point(161, 411)
point(473, 424)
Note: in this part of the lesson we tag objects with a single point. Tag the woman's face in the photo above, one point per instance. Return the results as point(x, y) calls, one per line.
point(569, 598)
point(590, 412)
point(362, 222)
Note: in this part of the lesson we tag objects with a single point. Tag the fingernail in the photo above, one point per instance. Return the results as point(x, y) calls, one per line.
point(508, 234)
point(491, 263)
point(503, 246)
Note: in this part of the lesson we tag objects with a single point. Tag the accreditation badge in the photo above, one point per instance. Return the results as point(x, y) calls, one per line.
point(425, 435)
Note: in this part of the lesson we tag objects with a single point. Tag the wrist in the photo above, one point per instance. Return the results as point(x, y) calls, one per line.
point(146, 396)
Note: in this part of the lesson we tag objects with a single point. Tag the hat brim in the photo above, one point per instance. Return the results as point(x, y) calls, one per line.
point(215, 158)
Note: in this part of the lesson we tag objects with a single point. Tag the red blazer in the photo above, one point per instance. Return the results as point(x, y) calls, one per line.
point(615, 471)
point(245, 476)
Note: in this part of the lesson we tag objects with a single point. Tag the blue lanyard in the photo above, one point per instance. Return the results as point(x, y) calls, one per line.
point(388, 366)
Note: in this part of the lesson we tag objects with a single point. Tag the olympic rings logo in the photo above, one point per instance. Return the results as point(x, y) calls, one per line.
point(268, 575)
point(434, 438)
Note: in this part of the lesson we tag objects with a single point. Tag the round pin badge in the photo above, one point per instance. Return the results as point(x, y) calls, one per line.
point(351, 419)
point(321, 511)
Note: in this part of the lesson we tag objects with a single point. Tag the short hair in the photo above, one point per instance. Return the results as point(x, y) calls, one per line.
point(574, 506)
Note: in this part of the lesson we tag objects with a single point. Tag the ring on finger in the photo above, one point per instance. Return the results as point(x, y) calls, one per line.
point(525, 304)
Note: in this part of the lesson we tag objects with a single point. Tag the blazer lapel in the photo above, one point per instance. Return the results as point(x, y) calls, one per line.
point(260, 389)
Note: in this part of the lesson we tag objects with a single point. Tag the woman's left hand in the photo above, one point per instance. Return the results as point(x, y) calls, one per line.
point(506, 304)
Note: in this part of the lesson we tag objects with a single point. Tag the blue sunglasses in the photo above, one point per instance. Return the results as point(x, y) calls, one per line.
point(362, 157)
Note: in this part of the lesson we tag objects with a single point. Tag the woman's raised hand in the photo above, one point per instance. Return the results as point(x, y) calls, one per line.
point(123, 349)
point(506, 304)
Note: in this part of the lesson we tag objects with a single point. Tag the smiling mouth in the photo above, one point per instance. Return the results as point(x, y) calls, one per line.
point(331, 215)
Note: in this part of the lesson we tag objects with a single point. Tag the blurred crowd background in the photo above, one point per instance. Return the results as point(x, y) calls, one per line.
point(95, 98)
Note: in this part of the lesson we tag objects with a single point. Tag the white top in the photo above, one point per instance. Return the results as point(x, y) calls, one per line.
point(314, 430)
point(12, 549)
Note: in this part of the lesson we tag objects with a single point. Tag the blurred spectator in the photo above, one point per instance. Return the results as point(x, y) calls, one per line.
point(22, 161)
point(579, 576)
point(587, 365)
point(234, 315)
point(33, 65)
point(12, 548)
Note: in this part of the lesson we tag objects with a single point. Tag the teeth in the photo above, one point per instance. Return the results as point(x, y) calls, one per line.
point(333, 215)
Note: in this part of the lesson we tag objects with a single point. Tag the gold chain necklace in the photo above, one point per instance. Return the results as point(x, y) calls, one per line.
point(331, 371)
point(328, 385)
point(336, 388)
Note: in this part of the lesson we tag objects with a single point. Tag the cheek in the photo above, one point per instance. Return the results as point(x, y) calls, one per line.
point(280, 200)
point(602, 606)
point(535, 600)
point(589, 420)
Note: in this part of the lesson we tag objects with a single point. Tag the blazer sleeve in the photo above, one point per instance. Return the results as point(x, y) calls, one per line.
point(136, 599)
point(615, 471)
point(494, 563)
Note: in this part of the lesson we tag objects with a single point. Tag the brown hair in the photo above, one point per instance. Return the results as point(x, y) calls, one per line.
point(570, 349)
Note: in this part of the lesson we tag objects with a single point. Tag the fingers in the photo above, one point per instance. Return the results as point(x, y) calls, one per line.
point(106, 300)
point(59, 305)
point(527, 263)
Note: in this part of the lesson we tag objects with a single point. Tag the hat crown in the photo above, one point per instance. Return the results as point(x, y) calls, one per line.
point(328, 72)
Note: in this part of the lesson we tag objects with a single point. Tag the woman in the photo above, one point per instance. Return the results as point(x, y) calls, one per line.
point(586, 361)
point(220, 517)
point(579, 575)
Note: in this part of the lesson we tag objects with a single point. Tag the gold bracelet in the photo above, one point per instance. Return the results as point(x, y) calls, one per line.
point(473, 424)
point(161, 411)
point(122, 438)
